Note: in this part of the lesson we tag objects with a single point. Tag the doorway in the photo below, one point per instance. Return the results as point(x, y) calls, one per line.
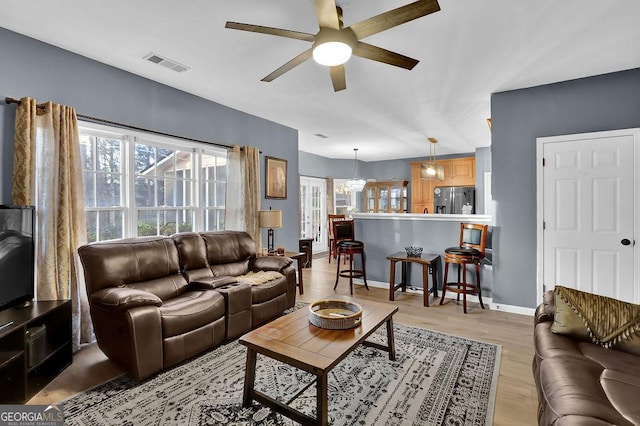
point(588, 202)
point(313, 211)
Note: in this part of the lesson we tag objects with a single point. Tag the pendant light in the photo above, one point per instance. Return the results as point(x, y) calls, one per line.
point(431, 170)
point(356, 184)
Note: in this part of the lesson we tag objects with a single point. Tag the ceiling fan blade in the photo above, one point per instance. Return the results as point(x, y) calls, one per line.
point(327, 14)
point(394, 17)
point(375, 53)
point(338, 78)
point(289, 65)
point(270, 30)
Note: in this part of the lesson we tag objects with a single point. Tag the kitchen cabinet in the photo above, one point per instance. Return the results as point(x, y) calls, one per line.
point(385, 197)
point(457, 172)
point(462, 172)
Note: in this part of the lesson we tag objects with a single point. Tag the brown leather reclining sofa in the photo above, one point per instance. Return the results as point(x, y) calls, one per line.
point(156, 301)
point(583, 383)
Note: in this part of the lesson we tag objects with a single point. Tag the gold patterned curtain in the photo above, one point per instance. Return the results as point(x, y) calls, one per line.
point(331, 202)
point(243, 191)
point(47, 173)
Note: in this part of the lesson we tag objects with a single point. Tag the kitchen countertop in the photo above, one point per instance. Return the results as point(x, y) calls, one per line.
point(476, 218)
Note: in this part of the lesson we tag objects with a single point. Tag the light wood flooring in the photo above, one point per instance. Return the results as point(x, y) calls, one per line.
point(516, 401)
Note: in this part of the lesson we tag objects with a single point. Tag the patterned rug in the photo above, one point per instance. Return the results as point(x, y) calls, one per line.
point(437, 379)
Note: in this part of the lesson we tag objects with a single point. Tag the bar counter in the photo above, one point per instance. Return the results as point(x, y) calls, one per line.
point(387, 233)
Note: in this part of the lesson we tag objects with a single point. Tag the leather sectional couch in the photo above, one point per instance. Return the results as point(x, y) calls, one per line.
point(584, 377)
point(156, 301)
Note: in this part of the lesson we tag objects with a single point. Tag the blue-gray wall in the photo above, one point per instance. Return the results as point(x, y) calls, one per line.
point(41, 71)
point(605, 102)
point(321, 167)
point(382, 237)
point(401, 170)
point(318, 166)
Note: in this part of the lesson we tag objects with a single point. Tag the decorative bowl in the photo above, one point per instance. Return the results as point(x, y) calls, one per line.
point(413, 251)
point(335, 314)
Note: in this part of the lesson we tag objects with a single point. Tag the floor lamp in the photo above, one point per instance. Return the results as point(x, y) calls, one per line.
point(270, 219)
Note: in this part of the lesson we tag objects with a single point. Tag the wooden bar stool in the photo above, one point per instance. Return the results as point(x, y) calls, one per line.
point(473, 238)
point(332, 241)
point(349, 248)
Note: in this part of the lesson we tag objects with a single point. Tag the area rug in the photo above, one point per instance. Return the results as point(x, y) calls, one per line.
point(436, 379)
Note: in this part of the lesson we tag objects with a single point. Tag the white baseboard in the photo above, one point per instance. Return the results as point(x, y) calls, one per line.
point(513, 309)
point(487, 300)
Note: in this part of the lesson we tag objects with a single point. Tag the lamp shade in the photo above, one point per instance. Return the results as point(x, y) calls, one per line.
point(270, 218)
point(431, 170)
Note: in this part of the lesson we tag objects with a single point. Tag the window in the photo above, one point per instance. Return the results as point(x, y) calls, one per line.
point(137, 184)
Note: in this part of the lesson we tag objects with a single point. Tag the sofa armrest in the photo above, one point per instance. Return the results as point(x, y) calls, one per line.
point(123, 298)
point(269, 263)
point(210, 283)
point(547, 309)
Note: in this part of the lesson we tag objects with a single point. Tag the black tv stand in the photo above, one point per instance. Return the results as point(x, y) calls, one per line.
point(7, 324)
point(25, 369)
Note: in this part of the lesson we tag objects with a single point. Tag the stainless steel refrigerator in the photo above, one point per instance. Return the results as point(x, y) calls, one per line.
point(451, 199)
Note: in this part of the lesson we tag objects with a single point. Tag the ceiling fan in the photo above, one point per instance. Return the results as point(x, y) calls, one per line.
point(334, 44)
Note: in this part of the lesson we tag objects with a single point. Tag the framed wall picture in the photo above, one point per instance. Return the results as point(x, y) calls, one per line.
point(276, 178)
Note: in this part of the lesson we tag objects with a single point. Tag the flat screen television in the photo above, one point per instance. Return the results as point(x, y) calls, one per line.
point(17, 255)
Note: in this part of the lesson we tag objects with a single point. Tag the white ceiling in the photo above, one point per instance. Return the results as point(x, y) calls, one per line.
point(467, 51)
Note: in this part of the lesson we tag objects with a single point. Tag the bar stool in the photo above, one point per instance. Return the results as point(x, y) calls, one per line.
point(332, 241)
point(350, 248)
point(345, 243)
point(471, 251)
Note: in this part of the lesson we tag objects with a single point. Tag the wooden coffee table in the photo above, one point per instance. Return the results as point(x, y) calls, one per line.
point(293, 340)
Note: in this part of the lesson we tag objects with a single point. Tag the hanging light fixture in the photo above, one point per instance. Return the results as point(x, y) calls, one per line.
point(431, 170)
point(356, 184)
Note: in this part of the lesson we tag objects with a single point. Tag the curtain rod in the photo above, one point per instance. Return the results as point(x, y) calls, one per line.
point(9, 100)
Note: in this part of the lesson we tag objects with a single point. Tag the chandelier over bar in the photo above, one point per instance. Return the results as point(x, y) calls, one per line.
point(356, 184)
point(431, 170)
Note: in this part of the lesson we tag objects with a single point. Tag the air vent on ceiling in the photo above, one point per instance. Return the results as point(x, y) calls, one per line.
point(167, 63)
point(321, 136)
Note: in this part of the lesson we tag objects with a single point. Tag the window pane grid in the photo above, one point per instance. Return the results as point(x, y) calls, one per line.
point(159, 195)
point(101, 158)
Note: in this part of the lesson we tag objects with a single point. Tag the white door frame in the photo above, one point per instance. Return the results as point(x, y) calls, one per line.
point(635, 133)
point(321, 244)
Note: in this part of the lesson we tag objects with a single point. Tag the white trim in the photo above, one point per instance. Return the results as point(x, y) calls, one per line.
point(539, 219)
point(321, 241)
point(475, 218)
point(129, 138)
point(488, 301)
point(635, 133)
point(513, 309)
point(488, 197)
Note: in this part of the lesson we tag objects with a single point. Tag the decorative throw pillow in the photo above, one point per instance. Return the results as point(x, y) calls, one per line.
point(601, 320)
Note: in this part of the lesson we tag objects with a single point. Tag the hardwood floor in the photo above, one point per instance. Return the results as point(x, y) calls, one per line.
point(516, 402)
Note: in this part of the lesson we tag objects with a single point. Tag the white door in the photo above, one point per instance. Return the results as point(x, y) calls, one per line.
point(313, 211)
point(588, 204)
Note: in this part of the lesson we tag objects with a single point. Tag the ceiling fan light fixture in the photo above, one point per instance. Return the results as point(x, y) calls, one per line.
point(333, 47)
point(332, 53)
